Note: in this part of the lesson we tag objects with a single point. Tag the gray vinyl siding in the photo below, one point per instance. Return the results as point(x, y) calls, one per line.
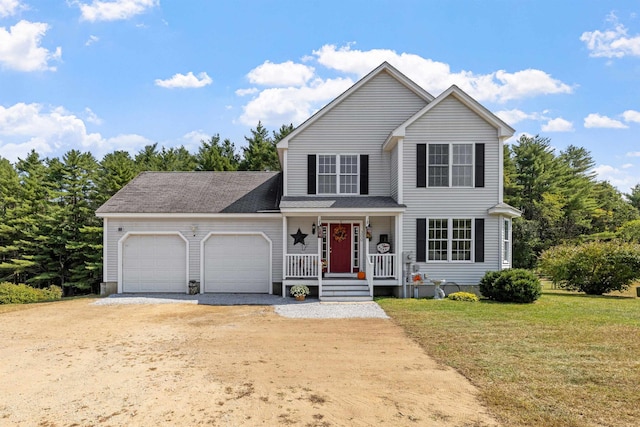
point(272, 227)
point(452, 122)
point(358, 125)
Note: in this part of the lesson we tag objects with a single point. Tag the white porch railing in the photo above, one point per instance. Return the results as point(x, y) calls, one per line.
point(301, 265)
point(383, 265)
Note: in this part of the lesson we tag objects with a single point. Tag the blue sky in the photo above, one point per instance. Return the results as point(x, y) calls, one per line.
point(119, 74)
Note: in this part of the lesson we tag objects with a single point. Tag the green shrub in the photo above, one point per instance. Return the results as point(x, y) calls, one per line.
point(463, 296)
point(594, 268)
point(515, 285)
point(24, 294)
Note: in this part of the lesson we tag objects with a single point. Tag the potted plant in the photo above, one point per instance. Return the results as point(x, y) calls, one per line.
point(299, 292)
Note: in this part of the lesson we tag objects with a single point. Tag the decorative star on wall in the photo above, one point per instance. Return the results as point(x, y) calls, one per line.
point(299, 237)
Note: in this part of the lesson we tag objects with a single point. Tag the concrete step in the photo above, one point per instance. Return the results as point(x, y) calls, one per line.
point(346, 298)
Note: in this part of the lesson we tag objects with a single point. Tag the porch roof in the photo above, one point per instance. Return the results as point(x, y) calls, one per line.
point(341, 203)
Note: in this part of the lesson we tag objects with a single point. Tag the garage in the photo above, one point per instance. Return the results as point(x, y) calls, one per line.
point(238, 263)
point(154, 263)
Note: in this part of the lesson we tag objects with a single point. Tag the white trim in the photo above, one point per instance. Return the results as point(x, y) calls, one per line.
point(270, 215)
point(500, 172)
point(284, 253)
point(105, 264)
point(152, 233)
point(285, 172)
point(398, 242)
point(504, 210)
point(400, 181)
point(236, 233)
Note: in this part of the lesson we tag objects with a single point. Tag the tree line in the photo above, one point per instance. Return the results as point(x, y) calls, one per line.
point(49, 234)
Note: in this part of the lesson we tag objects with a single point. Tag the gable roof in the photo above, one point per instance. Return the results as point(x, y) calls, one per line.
point(385, 67)
point(197, 192)
point(504, 130)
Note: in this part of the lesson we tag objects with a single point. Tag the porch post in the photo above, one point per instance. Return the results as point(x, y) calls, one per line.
point(319, 225)
point(284, 255)
point(398, 244)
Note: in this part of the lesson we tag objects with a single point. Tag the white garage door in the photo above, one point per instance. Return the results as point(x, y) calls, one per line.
point(154, 263)
point(236, 263)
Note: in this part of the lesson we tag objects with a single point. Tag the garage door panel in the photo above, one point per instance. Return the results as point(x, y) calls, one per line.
point(154, 263)
point(237, 263)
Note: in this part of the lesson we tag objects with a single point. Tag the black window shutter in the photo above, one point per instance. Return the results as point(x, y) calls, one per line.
point(479, 165)
point(421, 165)
point(421, 239)
point(364, 174)
point(479, 240)
point(311, 174)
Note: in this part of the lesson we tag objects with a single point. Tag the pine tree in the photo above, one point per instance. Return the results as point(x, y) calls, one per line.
point(261, 153)
point(114, 172)
point(212, 156)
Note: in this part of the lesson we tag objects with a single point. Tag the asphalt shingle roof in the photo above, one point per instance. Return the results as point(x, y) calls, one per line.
point(342, 202)
point(197, 192)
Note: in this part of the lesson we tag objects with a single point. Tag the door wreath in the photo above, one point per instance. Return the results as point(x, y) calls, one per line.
point(339, 233)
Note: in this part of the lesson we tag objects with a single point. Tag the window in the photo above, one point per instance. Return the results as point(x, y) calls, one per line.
point(461, 240)
point(438, 165)
point(462, 165)
point(327, 174)
point(450, 165)
point(349, 174)
point(338, 174)
point(506, 242)
point(356, 246)
point(438, 239)
point(449, 239)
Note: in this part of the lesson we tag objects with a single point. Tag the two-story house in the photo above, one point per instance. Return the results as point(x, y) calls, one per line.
point(382, 178)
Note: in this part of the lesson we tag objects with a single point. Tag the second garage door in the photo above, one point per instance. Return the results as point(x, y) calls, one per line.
point(237, 263)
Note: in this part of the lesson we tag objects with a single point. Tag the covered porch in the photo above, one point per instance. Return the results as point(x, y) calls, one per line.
point(343, 253)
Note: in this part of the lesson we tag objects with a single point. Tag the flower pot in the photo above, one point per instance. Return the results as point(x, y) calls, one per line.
point(300, 297)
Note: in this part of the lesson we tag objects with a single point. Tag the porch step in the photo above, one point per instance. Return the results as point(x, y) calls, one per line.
point(345, 290)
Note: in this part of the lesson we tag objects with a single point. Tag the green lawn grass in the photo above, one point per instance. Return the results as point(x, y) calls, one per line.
point(566, 360)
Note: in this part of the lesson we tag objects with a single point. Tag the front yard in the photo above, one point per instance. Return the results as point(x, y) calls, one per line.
point(566, 360)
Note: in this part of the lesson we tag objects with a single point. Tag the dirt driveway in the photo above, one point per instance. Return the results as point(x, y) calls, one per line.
point(76, 364)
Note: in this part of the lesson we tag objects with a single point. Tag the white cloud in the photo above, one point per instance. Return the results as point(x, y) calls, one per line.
point(558, 125)
point(249, 91)
point(515, 116)
point(20, 47)
point(114, 10)
point(183, 81)
point(281, 75)
point(92, 39)
point(595, 120)
point(613, 42)
point(195, 136)
point(499, 86)
point(627, 166)
point(622, 177)
point(633, 154)
point(275, 106)
point(9, 7)
point(631, 116)
point(91, 117)
point(294, 91)
point(24, 127)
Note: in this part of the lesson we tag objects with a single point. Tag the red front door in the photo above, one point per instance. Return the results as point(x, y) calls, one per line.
point(340, 248)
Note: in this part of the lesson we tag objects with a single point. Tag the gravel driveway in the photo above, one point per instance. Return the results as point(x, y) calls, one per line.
point(286, 307)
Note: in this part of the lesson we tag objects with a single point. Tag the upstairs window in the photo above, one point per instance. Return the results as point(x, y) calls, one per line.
point(450, 165)
point(338, 174)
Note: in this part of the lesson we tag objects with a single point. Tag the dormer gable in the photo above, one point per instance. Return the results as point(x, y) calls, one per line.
point(504, 131)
